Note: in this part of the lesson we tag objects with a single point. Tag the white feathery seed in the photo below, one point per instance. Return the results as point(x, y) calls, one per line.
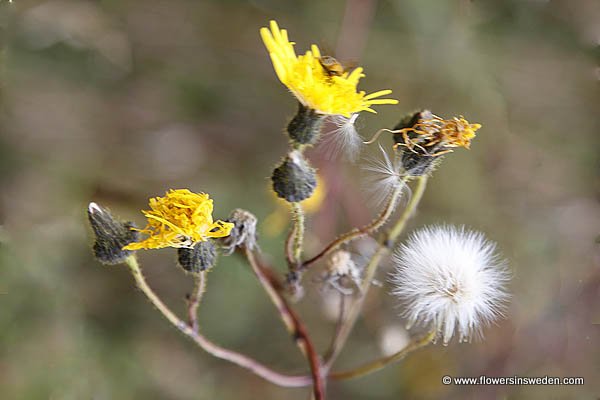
point(94, 208)
point(450, 279)
point(383, 177)
point(343, 138)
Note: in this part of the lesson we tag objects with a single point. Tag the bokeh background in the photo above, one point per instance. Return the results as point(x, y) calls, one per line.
point(116, 101)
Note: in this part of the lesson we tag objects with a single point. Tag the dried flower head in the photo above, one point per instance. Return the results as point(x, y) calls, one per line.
point(341, 268)
point(180, 219)
point(434, 136)
point(310, 79)
point(244, 232)
point(449, 279)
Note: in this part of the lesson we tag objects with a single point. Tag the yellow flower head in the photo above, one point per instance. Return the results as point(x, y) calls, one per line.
point(312, 84)
point(436, 136)
point(180, 219)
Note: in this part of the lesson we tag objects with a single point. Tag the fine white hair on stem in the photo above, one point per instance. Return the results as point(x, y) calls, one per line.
point(384, 175)
point(450, 279)
point(343, 138)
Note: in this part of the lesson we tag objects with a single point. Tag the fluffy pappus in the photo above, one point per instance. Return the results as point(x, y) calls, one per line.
point(384, 175)
point(342, 138)
point(450, 279)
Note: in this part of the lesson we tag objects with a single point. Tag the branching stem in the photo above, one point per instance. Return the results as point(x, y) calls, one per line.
point(359, 232)
point(381, 363)
point(293, 324)
point(385, 243)
point(208, 346)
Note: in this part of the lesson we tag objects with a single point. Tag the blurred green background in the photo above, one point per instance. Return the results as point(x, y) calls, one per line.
point(116, 101)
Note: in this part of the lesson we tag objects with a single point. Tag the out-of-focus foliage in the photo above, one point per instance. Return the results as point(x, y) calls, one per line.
point(116, 101)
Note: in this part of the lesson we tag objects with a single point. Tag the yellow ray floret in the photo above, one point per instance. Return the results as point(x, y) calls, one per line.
point(312, 85)
point(180, 219)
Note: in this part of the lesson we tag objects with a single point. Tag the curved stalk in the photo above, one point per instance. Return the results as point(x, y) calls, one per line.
point(385, 243)
point(293, 324)
point(359, 232)
point(195, 298)
point(298, 231)
point(381, 363)
point(208, 346)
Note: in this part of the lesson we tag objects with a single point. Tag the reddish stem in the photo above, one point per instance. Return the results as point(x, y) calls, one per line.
point(292, 322)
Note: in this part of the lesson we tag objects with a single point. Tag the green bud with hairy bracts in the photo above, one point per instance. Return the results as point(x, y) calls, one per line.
point(111, 235)
point(201, 257)
point(294, 180)
point(305, 127)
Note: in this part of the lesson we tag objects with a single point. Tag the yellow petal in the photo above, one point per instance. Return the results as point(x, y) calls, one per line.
point(378, 94)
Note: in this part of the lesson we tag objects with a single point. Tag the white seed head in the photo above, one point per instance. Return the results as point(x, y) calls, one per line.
point(343, 138)
point(384, 176)
point(450, 279)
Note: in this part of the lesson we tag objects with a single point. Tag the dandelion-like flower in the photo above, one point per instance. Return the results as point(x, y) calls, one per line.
point(180, 219)
point(450, 279)
point(312, 83)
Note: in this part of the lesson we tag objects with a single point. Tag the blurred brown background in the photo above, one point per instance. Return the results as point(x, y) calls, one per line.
point(116, 101)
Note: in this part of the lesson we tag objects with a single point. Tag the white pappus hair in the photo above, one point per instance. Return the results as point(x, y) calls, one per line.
point(384, 175)
point(450, 279)
point(343, 138)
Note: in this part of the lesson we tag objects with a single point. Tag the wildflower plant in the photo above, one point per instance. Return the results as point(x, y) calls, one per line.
point(446, 280)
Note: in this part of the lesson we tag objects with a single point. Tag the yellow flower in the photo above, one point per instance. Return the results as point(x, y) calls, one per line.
point(180, 219)
point(436, 136)
point(312, 85)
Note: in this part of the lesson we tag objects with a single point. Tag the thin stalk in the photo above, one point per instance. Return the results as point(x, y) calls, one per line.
point(381, 363)
point(208, 346)
point(298, 232)
point(340, 319)
point(385, 243)
point(195, 298)
point(293, 324)
point(289, 252)
point(410, 209)
point(359, 232)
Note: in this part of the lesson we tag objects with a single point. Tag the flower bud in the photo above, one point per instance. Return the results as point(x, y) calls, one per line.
point(294, 180)
point(243, 232)
point(111, 235)
point(199, 258)
point(305, 127)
